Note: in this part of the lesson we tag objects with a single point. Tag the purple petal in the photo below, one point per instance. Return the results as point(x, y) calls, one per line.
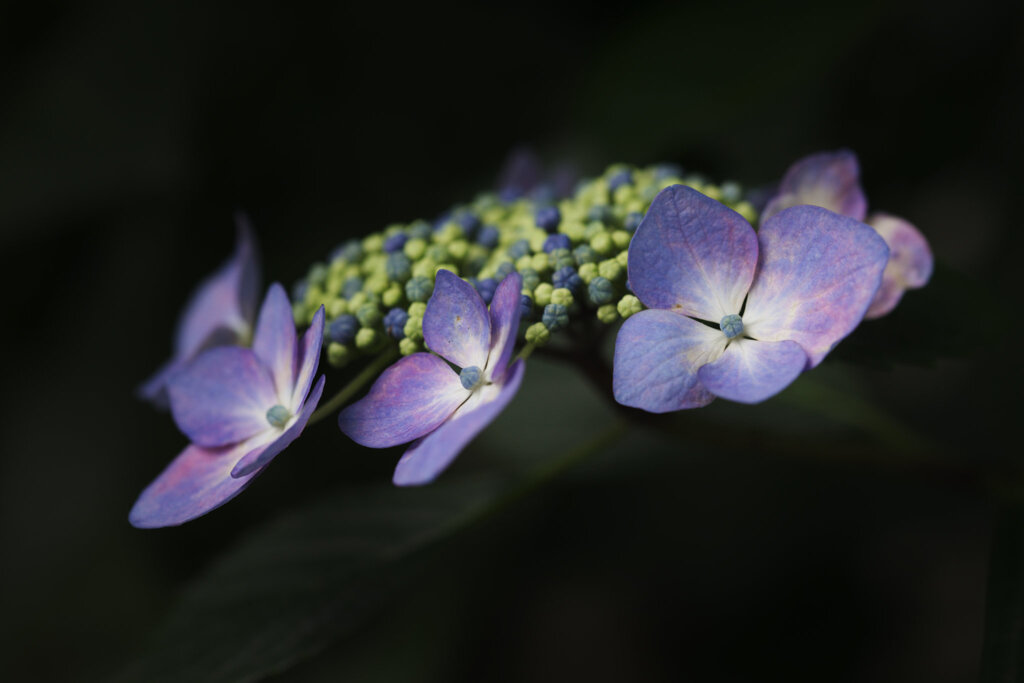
point(274, 341)
point(222, 397)
point(657, 356)
point(429, 456)
point(195, 482)
point(505, 314)
point(910, 262)
point(750, 371)
point(455, 324)
point(408, 400)
point(256, 459)
point(308, 358)
point(224, 301)
point(818, 272)
point(693, 255)
point(828, 179)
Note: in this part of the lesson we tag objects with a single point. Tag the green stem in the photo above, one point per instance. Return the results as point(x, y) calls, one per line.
point(350, 389)
point(1002, 658)
point(524, 352)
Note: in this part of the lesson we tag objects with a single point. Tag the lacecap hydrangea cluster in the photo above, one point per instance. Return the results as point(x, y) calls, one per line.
point(571, 255)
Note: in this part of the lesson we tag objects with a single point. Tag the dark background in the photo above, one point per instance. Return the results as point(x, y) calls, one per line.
point(130, 132)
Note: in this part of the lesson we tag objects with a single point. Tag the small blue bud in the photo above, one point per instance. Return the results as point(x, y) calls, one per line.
point(488, 236)
point(601, 213)
point(556, 317)
point(486, 288)
point(419, 288)
point(531, 278)
point(395, 242)
point(342, 330)
point(420, 230)
point(278, 416)
point(632, 221)
point(559, 240)
point(732, 325)
point(548, 218)
point(568, 278)
point(503, 271)
point(469, 222)
point(519, 249)
point(601, 290)
point(394, 322)
point(398, 266)
point(351, 251)
point(351, 286)
point(619, 179)
point(441, 220)
point(543, 194)
point(525, 306)
point(662, 171)
point(585, 254)
point(470, 377)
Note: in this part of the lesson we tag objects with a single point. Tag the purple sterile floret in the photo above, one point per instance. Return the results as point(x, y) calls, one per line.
point(832, 180)
point(240, 407)
point(779, 299)
point(221, 311)
point(422, 398)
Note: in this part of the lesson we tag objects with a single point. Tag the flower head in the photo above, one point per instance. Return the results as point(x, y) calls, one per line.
point(734, 313)
point(221, 312)
point(422, 398)
point(832, 180)
point(240, 407)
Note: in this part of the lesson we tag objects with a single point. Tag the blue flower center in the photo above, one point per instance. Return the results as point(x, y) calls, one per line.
point(732, 325)
point(470, 377)
point(278, 416)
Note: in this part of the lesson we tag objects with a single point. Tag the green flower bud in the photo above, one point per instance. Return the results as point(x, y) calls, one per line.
point(562, 296)
point(524, 263)
point(424, 268)
point(587, 272)
point(458, 249)
point(574, 229)
point(713, 192)
point(336, 307)
point(448, 234)
point(367, 339)
point(538, 334)
point(542, 294)
point(447, 266)
point(408, 346)
point(338, 354)
point(623, 258)
point(317, 274)
point(610, 269)
point(541, 262)
point(392, 296)
point(747, 210)
point(377, 283)
point(415, 248)
point(373, 243)
point(608, 314)
point(417, 309)
point(530, 279)
point(368, 315)
point(413, 328)
point(628, 305)
point(602, 243)
point(620, 238)
point(299, 312)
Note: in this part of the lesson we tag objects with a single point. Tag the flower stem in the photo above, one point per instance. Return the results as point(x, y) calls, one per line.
point(350, 389)
point(524, 352)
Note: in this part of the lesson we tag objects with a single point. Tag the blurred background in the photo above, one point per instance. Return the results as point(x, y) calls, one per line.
point(130, 133)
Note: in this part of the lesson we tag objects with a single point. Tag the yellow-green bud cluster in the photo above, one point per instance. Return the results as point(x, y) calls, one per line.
point(571, 254)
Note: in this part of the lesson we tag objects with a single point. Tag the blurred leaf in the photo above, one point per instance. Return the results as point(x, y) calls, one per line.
point(299, 583)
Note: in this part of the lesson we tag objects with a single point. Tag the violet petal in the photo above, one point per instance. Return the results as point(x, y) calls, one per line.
point(693, 255)
point(750, 371)
point(410, 399)
point(308, 358)
point(830, 180)
point(456, 324)
point(910, 262)
point(817, 273)
point(505, 313)
point(274, 341)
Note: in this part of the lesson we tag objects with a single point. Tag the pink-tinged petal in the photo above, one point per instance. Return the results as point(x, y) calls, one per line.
point(693, 255)
point(456, 324)
point(910, 262)
point(222, 397)
point(817, 273)
point(429, 456)
point(256, 459)
point(750, 371)
point(657, 356)
point(195, 482)
point(223, 302)
point(308, 358)
point(505, 312)
point(830, 180)
point(408, 400)
point(274, 341)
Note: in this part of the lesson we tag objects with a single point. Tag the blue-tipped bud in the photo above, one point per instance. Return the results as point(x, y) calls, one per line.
point(567, 278)
point(469, 222)
point(470, 377)
point(342, 330)
point(556, 317)
point(632, 221)
point(420, 230)
point(525, 306)
point(518, 249)
point(619, 179)
point(486, 288)
point(488, 236)
point(398, 267)
point(732, 325)
point(278, 416)
point(559, 240)
point(531, 278)
point(585, 254)
point(394, 322)
point(601, 290)
point(502, 271)
point(548, 218)
point(351, 287)
point(395, 242)
point(663, 171)
point(419, 288)
point(601, 213)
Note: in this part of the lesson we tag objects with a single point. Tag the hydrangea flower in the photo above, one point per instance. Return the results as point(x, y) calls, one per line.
point(221, 312)
point(832, 180)
point(734, 313)
point(240, 407)
point(422, 398)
